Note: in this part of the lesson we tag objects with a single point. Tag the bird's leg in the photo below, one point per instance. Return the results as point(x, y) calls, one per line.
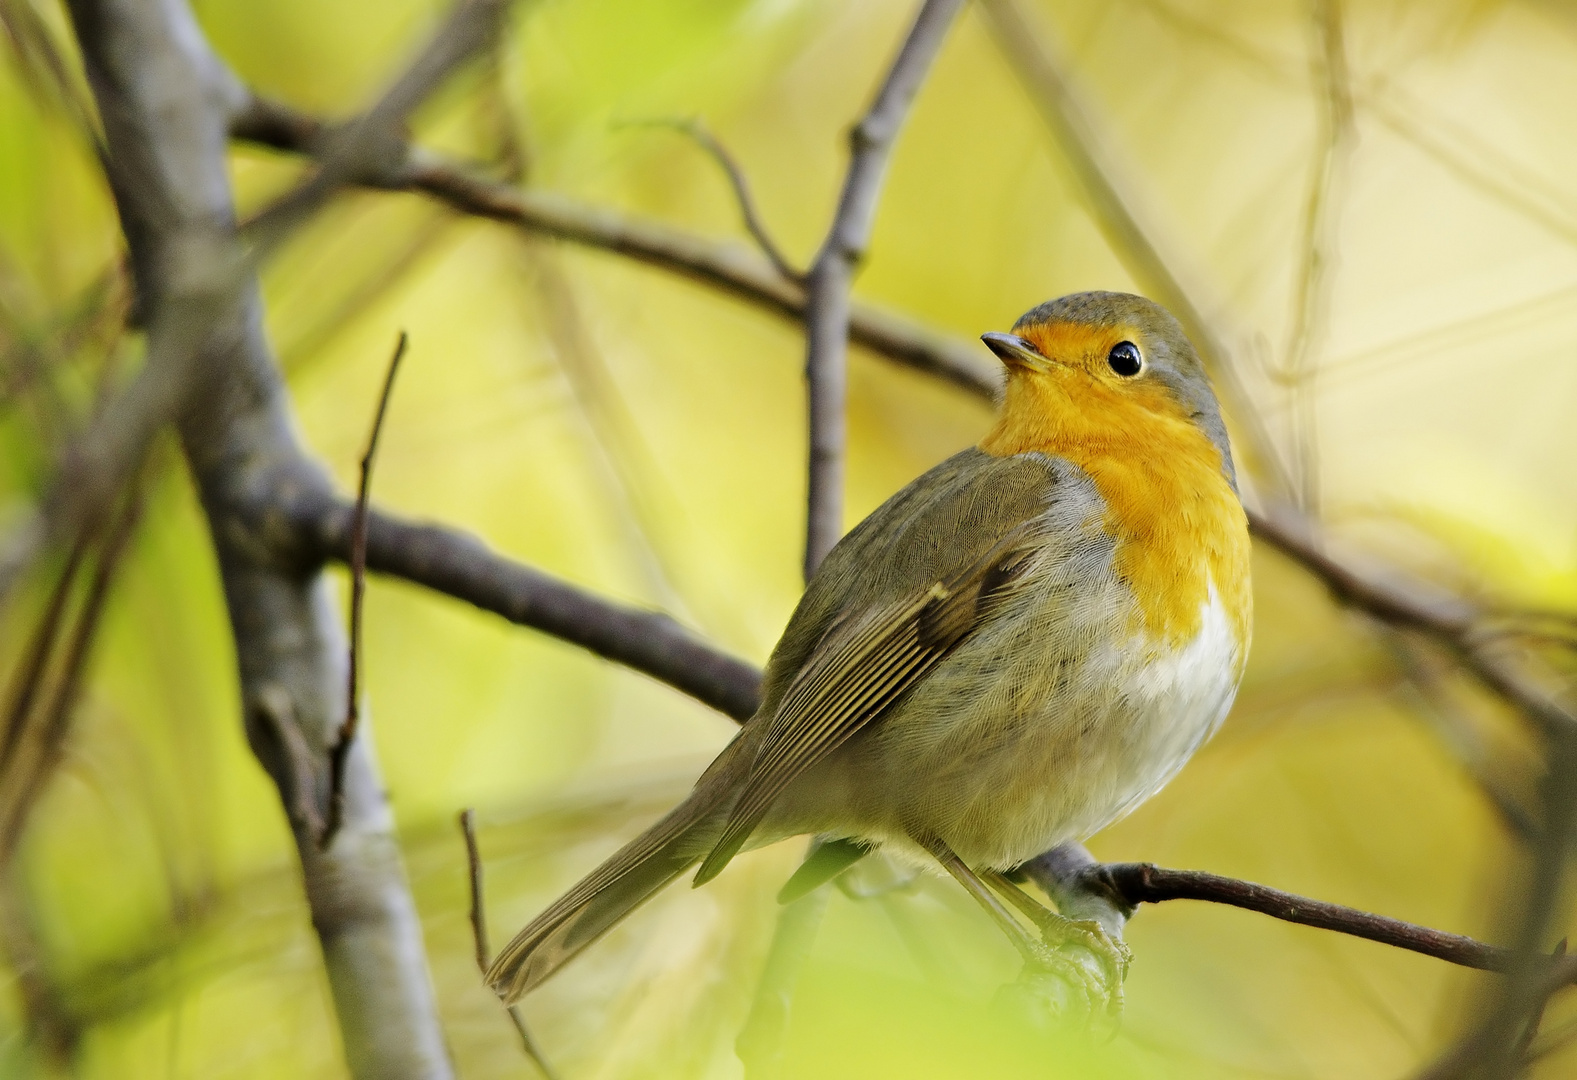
point(1058, 930)
point(1101, 993)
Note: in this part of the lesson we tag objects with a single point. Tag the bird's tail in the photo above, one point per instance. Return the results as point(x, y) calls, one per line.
point(609, 893)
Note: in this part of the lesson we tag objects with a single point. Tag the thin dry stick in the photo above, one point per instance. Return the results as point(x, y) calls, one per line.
point(358, 587)
point(30, 673)
point(697, 132)
point(484, 954)
point(373, 143)
point(1317, 262)
point(54, 724)
point(830, 276)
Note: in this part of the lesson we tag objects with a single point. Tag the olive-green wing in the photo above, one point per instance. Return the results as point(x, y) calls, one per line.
point(864, 664)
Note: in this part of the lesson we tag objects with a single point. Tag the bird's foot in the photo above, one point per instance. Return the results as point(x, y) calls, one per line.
point(1073, 976)
point(1070, 979)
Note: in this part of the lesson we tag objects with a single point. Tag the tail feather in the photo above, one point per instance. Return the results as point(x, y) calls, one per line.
point(605, 896)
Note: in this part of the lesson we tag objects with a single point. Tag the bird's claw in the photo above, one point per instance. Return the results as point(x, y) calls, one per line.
point(1072, 977)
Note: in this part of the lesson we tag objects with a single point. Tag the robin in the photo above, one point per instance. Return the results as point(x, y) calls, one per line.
point(1012, 652)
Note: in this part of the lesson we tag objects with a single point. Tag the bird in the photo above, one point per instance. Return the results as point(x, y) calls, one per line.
point(1010, 653)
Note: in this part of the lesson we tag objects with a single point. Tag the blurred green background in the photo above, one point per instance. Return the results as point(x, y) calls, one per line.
point(644, 437)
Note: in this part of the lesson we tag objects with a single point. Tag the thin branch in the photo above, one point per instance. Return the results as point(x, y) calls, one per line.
point(374, 144)
point(473, 859)
point(358, 587)
point(29, 676)
point(1133, 884)
point(697, 132)
point(831, 275)
point(49, 733)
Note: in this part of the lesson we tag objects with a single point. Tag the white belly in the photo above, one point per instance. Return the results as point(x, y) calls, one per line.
point(1013, 746)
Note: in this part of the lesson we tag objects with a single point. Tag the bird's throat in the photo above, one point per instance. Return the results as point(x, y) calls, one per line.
point(1178, 524)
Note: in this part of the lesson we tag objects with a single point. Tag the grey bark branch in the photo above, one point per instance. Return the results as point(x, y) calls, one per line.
point(831, 275)
point(165, 103)
point(317, 526)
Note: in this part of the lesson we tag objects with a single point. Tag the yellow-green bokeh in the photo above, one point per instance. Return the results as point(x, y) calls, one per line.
point(644, 437)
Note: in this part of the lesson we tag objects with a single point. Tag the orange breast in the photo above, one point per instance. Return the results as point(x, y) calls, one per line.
point(1178, 524)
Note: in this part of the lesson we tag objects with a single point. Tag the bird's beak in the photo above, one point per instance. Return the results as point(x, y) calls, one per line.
point(1015, 352)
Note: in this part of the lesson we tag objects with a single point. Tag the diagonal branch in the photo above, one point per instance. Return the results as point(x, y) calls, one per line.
point(831, 275)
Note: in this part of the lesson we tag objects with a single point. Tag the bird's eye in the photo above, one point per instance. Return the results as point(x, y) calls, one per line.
point(1124, 359)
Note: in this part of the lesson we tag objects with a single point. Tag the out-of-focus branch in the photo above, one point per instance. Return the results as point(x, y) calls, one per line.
point(457, 565)
point(40, 742)
point(374, 143)
point(1316, 263)
point(1446, 618)
point(831, 274)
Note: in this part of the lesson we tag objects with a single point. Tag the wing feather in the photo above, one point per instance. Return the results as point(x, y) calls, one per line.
point(859, 669)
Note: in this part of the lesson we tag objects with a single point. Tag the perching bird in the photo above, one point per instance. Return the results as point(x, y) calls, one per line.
point(1012, 652)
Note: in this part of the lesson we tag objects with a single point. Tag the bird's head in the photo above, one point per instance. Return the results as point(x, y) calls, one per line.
point(1103, 370)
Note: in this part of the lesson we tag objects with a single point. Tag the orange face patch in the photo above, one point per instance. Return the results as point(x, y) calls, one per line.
point(1178, 524)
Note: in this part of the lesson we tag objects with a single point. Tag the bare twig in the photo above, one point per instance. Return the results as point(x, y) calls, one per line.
point(53, 724)
point(484, 955)
point(1318, 256)
point(698, 133)
point(373, 144)
point(1132, 884)
point(832, 273)
point(358, 588)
